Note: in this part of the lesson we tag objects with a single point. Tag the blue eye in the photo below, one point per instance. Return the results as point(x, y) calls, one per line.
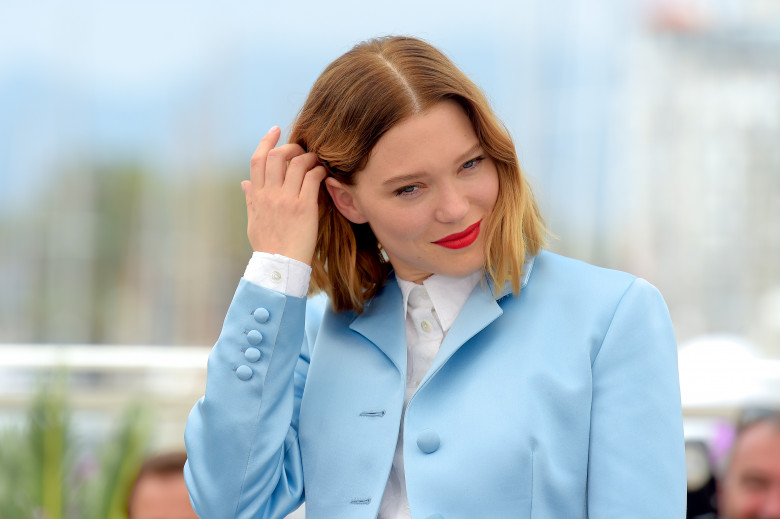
point(406, 190)
point(473, 163)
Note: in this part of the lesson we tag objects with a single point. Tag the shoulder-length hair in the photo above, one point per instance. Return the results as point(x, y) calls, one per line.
point(354, 102)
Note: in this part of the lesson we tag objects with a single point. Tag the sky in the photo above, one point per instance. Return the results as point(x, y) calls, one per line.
point(180, 86)
point(129, 43)
point(119, 79)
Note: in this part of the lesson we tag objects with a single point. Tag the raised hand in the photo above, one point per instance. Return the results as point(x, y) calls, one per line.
point(281, 198)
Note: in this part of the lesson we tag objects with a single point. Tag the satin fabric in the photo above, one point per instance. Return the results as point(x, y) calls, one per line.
point(562, 402)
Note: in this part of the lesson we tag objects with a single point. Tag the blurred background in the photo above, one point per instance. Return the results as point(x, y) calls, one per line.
point(650, 130)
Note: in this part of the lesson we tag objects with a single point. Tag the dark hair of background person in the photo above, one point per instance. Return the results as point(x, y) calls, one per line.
point(166, 464)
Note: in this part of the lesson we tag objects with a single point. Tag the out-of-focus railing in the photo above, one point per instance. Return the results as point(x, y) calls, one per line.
point(719, 376)
point(102, 380)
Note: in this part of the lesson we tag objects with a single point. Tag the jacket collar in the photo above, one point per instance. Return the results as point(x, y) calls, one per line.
point(383, 321)
point(507, 288)
point(480, 309)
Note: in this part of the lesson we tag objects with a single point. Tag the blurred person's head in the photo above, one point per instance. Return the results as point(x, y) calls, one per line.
point(380, 85)
point(750, 485)
point(159, 491)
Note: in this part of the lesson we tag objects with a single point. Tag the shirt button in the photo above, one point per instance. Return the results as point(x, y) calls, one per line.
point(426, 325)
point(276, 276)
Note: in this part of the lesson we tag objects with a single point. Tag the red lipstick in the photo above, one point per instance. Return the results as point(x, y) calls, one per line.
point(461, 239)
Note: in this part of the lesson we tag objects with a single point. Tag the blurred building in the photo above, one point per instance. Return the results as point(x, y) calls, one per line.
point(102, 382)
point(705, 128)
point(649, 130)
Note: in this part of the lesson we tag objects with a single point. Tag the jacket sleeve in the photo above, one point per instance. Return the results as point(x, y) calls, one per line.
point(242, 436)
point(636, 464)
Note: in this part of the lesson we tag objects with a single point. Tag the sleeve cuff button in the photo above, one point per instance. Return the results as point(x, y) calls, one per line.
point(244, 372)
point(252, 354)
point(260, 315)
point(254, 337)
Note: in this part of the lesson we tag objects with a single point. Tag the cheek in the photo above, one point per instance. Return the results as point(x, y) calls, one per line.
point(746, 503)
point(394, 225)
point(494, 196)
point(490, 193)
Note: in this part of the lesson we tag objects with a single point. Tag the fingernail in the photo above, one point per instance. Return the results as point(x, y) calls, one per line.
point(273, 128)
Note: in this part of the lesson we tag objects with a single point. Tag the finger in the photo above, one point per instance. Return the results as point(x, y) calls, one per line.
point(296, 171)
point(310, 187)
point(259, 157)
point(276, 164)
point(246, 187)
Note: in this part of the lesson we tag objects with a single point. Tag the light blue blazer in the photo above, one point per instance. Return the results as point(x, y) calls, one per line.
point(562, 403)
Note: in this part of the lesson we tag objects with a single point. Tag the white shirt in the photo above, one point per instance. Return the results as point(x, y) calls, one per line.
point(430, 309)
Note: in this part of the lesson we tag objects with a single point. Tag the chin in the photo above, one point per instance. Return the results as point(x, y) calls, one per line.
point(461, 270)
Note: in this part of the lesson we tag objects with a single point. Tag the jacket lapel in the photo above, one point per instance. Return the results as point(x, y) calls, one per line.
point(383, 323)
point(480, 309)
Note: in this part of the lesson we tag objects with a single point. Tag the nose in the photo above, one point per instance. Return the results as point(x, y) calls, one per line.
point(452, 204)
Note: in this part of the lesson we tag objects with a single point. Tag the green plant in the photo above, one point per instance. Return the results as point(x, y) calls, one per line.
point(119, 462)
point(45, 473)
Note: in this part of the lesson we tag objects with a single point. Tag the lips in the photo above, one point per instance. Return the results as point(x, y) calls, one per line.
point(461, 239)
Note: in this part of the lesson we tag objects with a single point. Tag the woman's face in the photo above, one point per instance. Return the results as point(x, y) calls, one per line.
point(427, 192)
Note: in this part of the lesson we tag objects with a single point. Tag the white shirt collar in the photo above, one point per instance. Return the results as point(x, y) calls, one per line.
point(447, 294)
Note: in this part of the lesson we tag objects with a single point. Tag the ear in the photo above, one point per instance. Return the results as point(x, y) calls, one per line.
point(344, 200)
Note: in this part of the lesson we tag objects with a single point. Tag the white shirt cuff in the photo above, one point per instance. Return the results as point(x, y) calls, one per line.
point(280, 273)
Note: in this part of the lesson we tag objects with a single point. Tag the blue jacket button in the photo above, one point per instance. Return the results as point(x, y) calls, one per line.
point(252, 354)
point(435, 516)
point(261, 315)
point(428, 441)
point(254, 337)
point(244, 372)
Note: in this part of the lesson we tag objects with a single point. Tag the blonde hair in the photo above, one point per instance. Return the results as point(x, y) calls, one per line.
point(354, 102)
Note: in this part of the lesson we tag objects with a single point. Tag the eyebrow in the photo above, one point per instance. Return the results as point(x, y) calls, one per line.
point(413, 176)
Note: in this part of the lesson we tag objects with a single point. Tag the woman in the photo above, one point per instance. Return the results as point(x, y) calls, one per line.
point(454, 369)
